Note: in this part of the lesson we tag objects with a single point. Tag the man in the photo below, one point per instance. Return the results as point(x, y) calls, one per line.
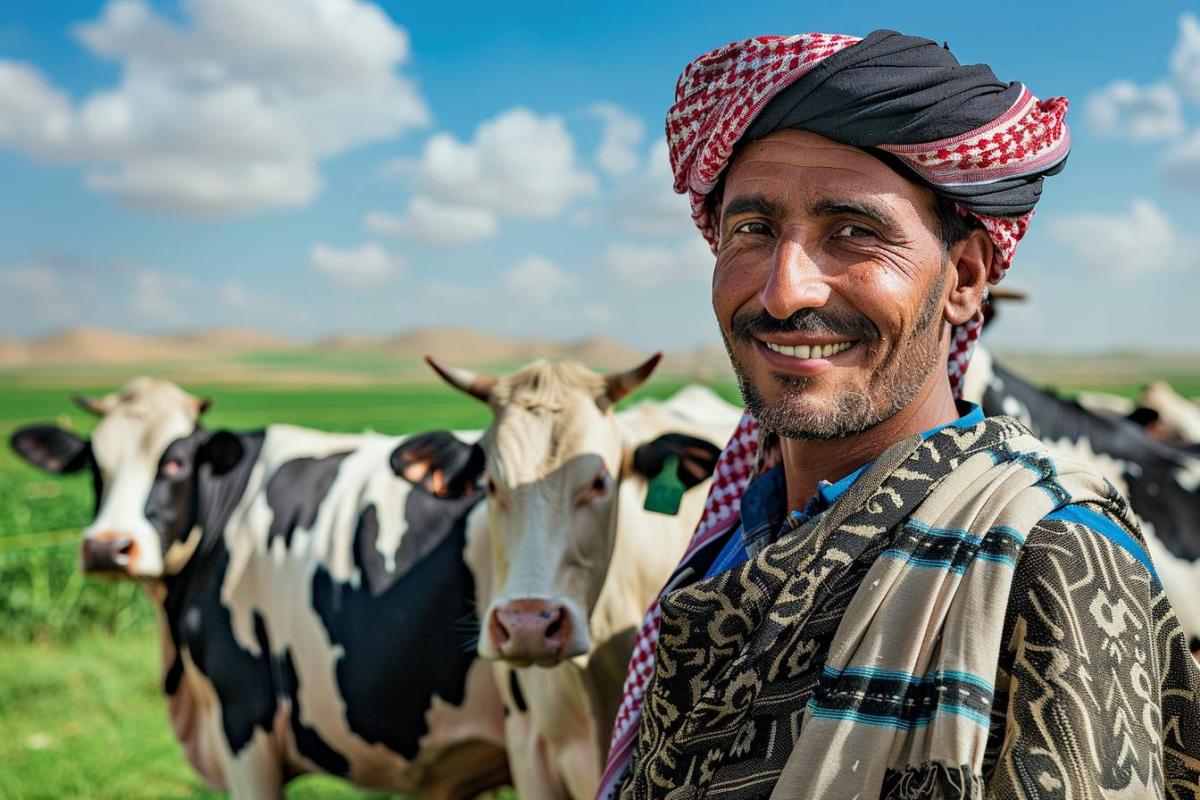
point(888, 595)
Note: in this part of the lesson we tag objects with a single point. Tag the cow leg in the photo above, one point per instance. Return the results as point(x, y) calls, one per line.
point(465, 772)
point(256, 773)
point(533, 770)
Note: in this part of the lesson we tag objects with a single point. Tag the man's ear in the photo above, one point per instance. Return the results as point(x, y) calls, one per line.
point(697, 457)
point(52, 448)
point(222, 452)
point(440, 463)
point(971, 262)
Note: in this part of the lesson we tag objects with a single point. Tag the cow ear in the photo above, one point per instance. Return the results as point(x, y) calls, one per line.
point(440, 463)
point(222, 452)
point(52, 448)
point(697, 457)
point(1143, 416)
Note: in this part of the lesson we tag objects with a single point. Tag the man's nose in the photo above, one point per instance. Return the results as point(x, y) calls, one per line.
point(795, 282)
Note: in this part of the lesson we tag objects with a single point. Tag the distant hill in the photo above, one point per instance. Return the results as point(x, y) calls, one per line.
point(231, 339)
point(248, 354)
point(469, 347)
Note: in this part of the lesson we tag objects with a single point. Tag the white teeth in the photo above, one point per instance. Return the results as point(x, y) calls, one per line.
point(815, 351)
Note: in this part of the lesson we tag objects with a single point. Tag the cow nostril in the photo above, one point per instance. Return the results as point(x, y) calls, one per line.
point(499, 632)
point(555, 625)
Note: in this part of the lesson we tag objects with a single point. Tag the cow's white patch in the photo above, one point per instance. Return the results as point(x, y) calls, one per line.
point(979, 375)
point(1188, 475)
point(1179, 577)
point(1114, 469)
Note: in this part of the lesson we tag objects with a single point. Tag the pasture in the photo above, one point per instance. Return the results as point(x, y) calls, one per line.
point(80, 700)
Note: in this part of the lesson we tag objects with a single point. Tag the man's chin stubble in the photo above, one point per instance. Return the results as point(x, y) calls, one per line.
point(852, 413)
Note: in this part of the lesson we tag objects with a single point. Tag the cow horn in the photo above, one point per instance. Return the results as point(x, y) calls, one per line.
point(95, 407)
point(998, 293)
point(203, 404)
point(478, 386)
point(620, 384)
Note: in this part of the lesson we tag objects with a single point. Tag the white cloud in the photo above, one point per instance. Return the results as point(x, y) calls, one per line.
point(227, 112)
point(360, 267)
point(644, 201)
point(156, 295)
point(623, 132)
point(58, 292)
point(1140, 113)
point(641, 267)
point(234, 296)
point(517, 165)
point(537, 280)
point(1181, 165)
point(1185, 60)
point(430, 222)
point(1126, 244)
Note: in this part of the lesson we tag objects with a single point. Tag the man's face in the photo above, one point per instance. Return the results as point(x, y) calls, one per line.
point(829, 285)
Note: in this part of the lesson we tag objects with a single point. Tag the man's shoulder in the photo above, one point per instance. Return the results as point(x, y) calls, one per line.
point(1094, 536)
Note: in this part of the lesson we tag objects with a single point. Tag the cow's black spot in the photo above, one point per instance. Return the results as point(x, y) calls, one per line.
point(514, 686)
point(400, 630)
point(1194, 644)
point(1154, 494)
point(308, 742)
point(428, 520)
point(201, 623)
point(295, 493)
point(697, 457)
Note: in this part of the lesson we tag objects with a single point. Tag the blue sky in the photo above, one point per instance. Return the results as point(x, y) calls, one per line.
point(319, 166)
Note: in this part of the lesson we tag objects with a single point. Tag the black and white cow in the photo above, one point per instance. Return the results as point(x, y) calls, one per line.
point(1161, 481)
point(314, 601)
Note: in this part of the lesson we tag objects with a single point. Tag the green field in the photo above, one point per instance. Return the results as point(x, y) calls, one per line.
point(80, 704)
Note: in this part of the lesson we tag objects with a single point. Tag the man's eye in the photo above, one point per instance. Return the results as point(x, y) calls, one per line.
point(853, 232)
point(753, 228)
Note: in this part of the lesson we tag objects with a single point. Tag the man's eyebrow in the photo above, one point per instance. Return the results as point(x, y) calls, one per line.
point(830, 208)
point(751, 204)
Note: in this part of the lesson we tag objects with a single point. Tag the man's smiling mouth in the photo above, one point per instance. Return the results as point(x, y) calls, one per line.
point(810, 351)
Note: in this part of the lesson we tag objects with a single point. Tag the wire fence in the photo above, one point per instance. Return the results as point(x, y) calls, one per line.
point(38, 540)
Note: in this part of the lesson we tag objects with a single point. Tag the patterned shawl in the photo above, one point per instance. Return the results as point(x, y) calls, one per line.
point(909, 574)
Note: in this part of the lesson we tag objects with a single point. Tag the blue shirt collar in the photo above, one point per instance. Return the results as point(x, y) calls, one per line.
point(972, 415)
point(765, 499)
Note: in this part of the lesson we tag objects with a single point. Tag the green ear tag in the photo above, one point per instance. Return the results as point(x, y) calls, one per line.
point(665, 492)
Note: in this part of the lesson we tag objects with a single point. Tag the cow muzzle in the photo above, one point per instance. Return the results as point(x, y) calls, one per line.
point(531, 632)
point(108, 553)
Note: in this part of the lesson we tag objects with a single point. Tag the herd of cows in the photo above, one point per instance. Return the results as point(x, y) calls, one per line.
point(447, 612)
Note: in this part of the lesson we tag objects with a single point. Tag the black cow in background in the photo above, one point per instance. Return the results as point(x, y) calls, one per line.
point(1162, 481)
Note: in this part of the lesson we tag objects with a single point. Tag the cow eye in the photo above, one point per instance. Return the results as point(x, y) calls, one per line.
point(597, 488)
point(491, 487)
point(172, 468)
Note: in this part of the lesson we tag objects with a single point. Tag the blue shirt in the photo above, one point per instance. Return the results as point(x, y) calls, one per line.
point(765, 500)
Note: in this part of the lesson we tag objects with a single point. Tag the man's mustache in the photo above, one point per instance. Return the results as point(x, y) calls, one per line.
point(810, 321)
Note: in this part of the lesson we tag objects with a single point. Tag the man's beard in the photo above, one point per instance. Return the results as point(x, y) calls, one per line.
point(890, 388)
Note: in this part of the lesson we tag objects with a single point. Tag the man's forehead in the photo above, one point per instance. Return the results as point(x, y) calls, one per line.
point(799, 163)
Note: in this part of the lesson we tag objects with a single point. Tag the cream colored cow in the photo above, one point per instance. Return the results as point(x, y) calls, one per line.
point(566, 559)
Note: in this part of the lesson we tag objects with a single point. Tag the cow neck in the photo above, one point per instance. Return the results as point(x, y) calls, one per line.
point(216, 496)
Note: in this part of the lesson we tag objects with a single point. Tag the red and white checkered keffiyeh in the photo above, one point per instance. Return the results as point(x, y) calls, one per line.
point(717, 98)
